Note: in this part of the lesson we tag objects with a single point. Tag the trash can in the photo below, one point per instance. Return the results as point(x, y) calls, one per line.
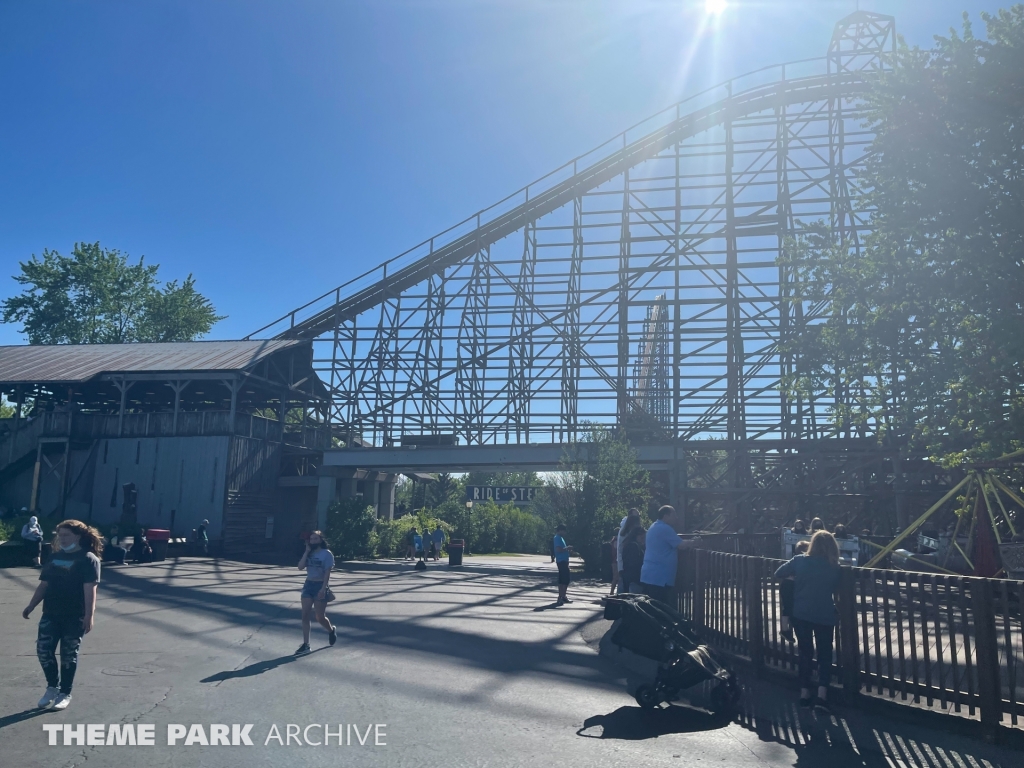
point(158, 539)
point(455, 547)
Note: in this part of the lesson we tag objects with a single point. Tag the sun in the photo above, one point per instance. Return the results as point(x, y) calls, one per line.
point(714, 7)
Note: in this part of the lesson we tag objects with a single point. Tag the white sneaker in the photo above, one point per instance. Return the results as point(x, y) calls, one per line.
point(62, 701)
point(49, 697)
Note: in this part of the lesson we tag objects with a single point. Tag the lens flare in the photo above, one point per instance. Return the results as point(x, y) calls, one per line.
point(714, 7)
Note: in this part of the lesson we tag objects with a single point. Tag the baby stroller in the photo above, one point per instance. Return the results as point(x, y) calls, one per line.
point(651, 629)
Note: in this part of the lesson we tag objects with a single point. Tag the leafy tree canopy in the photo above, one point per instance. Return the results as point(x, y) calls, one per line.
point(926, 334)
point(600, 479)
point(99, 296)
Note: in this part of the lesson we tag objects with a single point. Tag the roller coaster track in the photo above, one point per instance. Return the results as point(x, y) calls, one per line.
point(480, 336)
point(295, 325)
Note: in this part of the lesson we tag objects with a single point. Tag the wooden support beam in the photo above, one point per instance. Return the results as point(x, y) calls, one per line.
point(123, 386)
point(233, 385)
point(178, 387)
point(34, 497)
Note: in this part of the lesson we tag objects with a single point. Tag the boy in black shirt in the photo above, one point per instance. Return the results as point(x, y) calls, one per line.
point(67, 590)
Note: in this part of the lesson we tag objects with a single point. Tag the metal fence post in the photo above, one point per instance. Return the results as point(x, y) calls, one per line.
point(849, 645)
point(987, 654)
point(699, 567)
point(755, 612)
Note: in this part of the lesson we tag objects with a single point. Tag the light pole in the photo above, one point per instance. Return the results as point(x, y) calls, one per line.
point(469, 523)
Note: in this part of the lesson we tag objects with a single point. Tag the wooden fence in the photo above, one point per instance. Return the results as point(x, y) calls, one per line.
point(951, 643)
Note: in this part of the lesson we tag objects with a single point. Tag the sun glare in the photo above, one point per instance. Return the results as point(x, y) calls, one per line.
point(714, 7)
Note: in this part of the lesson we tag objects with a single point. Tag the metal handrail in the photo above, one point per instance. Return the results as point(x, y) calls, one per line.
point(619, 142)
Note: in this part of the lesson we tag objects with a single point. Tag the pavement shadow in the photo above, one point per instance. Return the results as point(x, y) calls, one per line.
point(547, 607)
point(854, 737)
point(28, 714)
point(258, 668)
point(636, 724)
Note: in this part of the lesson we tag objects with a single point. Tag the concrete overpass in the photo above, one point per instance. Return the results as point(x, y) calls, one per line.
point(371, 473)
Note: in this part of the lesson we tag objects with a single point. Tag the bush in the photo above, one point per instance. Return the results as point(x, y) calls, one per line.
point(488, 527)
point(351, 530)
point(394, 533)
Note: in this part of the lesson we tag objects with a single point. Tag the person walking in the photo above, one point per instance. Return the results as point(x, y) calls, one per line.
point(32, 536)
point(438, 537)
point(202, 539)
point(815, 580)
point(410, 545)
point(632, 555)
point(67, 590)
point(562, 552)
point(318, 561)
point(662, 545)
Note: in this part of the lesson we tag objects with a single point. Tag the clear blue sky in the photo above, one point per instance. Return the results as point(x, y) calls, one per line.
point(274, 149)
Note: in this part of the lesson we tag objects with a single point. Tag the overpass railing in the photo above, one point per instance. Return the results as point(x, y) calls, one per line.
point(97, 426)
point(947, 643)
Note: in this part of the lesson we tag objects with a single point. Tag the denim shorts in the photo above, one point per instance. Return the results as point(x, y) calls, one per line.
point(311, 588)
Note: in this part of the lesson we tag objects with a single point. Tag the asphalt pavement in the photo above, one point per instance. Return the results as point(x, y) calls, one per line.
point(448, 667)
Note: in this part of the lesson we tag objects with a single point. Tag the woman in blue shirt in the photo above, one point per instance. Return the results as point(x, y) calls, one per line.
point(816, 578)
point(318, 562)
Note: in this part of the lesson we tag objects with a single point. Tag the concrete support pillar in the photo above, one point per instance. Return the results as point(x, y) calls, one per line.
point(342, 483)
point(348, 481)
point(386, 501)
point(326, 492)
point(372, 495)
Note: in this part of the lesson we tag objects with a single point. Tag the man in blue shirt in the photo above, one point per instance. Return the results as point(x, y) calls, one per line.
point(661, 556)
point(562, 551)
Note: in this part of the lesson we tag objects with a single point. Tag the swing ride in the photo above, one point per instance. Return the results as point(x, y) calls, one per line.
point(984, 533)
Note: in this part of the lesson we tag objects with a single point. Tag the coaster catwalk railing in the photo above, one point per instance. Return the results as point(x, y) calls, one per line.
point(948, 643)
point(521, 324)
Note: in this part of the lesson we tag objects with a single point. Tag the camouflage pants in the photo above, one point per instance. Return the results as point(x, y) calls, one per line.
point(68, 632)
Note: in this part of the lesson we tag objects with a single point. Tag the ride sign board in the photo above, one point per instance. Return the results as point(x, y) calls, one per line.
point(501, 494)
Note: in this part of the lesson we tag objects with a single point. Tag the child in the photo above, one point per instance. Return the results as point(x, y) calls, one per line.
point(562, 551)
point(814, 617)
point(786, 587)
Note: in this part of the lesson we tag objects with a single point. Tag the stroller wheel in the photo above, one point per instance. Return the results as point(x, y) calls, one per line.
point(647, 696)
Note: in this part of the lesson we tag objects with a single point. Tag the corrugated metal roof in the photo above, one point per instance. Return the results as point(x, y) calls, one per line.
point(70, 363)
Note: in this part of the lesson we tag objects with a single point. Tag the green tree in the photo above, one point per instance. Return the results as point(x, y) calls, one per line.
point(600, 479)
point(445, 489)
point(99, 296)
point(924, 335)
point(351, 530)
